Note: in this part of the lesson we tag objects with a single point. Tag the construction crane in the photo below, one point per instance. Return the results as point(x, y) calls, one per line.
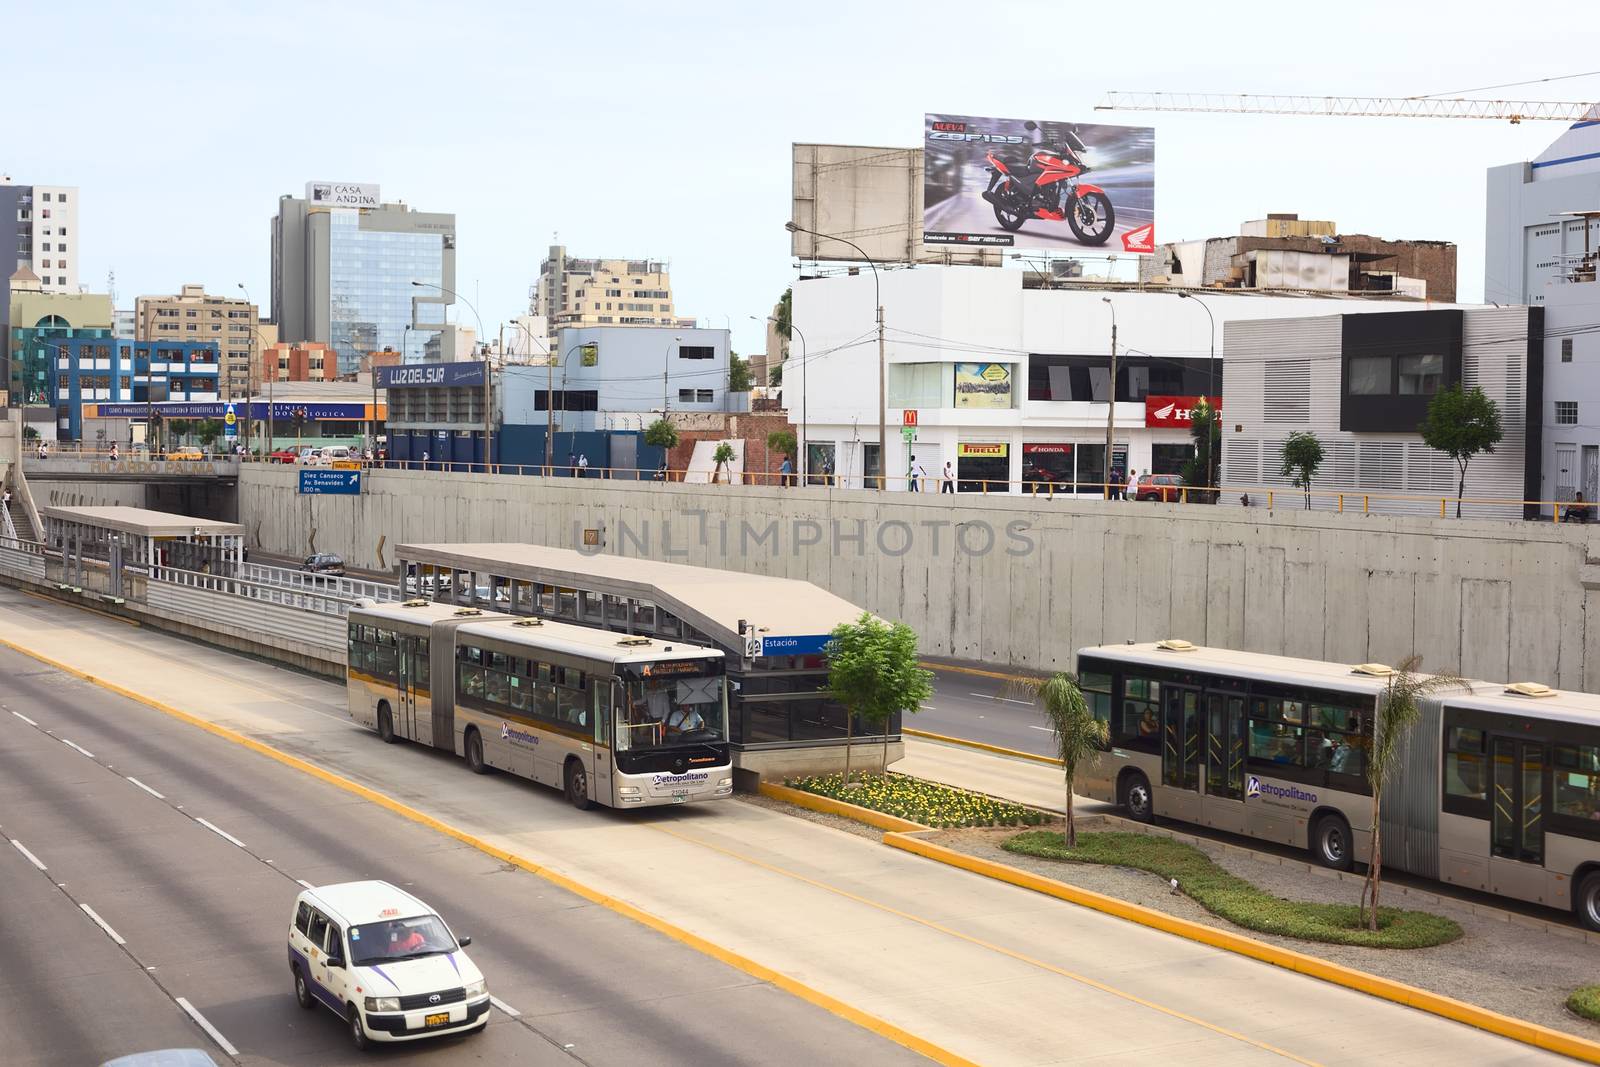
point(1425, 107)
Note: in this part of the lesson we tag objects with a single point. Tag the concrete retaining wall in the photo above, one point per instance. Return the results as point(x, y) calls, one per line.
point(1022, 582)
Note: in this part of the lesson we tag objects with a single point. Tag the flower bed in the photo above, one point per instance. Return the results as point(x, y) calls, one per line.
point(1240, 902)
point(928, 803)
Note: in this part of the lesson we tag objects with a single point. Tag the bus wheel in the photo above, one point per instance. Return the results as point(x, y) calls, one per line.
point(1137, 798)
point(1589, 900)
point(385, 724)
point(1330, 842)
point(577, 785)
point(474, 746)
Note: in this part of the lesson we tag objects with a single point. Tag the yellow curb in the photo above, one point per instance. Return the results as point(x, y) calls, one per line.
point(1014, 753)
point(801, 799)
point(975, 671)
point(1384, 988)
point(733, 959)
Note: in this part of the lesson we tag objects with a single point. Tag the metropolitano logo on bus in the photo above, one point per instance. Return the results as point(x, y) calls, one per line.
point(1255, 788)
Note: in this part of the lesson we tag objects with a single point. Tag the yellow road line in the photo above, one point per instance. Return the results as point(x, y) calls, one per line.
point(991, 946)
point(759, 971)
point(1014, 753)
point(976, 672)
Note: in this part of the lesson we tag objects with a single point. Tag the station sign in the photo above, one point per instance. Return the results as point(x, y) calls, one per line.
point(328, 481)
point(795, 645)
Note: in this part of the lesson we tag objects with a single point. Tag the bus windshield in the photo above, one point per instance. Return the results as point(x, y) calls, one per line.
point(662, 711)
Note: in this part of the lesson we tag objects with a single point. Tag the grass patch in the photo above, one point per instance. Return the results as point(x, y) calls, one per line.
point(1241, 903)
point(928, 803)
point(1585, 1002)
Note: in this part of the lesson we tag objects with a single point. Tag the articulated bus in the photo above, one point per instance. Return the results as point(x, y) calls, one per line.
point(1498, 788)
point(607, 718)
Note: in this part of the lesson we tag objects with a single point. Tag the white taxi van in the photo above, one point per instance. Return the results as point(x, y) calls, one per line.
point(385, 963)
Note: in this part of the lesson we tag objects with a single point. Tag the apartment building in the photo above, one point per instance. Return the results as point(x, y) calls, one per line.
point(38, 234)
point(195, 315)
point(303, 361)
point(578, 293)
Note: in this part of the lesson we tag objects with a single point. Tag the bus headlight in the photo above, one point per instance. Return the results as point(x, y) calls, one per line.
point(383, 1003)
point(726, 783)
point(628, 790)
point(476, 989)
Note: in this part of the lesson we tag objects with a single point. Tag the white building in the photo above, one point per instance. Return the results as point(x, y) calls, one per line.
point(1006, 383)
point(1542, 249)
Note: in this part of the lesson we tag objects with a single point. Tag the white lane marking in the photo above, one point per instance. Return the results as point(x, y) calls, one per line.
point(31, 857)
point(102, 924)
point(146, 788)
point(219, 831)
point(503, 1006)
point(929, 707)
point(75, 745)
point(205, 1025)
point(24, 718)
point(305, 883)
point(1008, 700)
point(1046, 729)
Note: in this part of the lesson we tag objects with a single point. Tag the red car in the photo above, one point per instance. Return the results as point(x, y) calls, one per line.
point(1167, 488)
point(283, 455)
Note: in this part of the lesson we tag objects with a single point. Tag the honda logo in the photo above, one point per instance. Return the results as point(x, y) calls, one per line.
point(1172, 410)
point(1142, 239)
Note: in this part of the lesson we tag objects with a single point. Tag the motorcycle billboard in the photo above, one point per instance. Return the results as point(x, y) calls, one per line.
point(1050, 186)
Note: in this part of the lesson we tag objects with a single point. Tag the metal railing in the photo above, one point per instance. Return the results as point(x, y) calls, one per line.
point(311, 582)
point(325, 601)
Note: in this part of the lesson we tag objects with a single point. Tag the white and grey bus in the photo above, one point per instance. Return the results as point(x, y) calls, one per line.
point(1498, 789)
point(610, 719)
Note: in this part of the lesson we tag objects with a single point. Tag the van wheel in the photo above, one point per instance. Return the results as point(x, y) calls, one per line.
point(1331, 844)
point(474, 747)
point(358, 1033)
point(302, 993)
point(578, 785)
point(1137, 798)
point(385, 724)
point(1588, 901)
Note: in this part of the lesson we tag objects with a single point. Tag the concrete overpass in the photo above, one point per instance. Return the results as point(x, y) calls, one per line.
point(65, 467)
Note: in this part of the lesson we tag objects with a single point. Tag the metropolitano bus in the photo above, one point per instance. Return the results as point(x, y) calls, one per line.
point(1498, 788)
point(607, 718)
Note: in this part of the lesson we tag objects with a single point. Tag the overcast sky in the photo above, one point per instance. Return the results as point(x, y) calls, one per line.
point(663, 129)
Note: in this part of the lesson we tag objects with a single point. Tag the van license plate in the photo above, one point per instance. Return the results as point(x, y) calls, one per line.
point(437, 1020)
point(679, 798)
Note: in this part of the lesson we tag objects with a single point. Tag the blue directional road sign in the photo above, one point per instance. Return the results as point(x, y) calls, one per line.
point(329, 482)
point(796, 645)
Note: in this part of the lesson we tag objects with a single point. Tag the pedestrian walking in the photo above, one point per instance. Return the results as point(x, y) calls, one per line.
point(786, 472)
point(915, 475)
point(583, 465)
point(8, 500)
point(948, 483)
point(1133, 485)
point(113, 451)
point(424, 459)
point(572, 464)
point(44, 452)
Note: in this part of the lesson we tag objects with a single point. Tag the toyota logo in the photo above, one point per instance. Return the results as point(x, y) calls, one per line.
point(434, 999)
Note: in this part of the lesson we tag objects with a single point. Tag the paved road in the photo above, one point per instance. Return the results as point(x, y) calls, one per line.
point(203, 918)
point(975, 708)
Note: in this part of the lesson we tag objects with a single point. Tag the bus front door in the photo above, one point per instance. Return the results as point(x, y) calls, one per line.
point(1225, 748)
point(1516, 834)
point(1181, 733)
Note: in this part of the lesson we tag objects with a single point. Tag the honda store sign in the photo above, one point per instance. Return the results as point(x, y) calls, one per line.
point(1036, 184)
point(1173, 411)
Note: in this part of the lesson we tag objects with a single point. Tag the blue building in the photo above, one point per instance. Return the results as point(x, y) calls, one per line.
point(105, 369)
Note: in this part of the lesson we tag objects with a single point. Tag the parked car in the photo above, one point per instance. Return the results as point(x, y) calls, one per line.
point(283, 455)
point(187, 452)
point(324, 563)
point(327, 457)
point(309, 455)
point(1167, 488)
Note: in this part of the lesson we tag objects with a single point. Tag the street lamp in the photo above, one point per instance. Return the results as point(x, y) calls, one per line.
point(1212, 470)
point(272, 379)
point(1111, 407)
point(803, 464)
point(488, 398)
point(666, 368)
point(883, 402)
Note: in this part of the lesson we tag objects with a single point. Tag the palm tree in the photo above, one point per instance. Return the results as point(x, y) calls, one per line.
point(1079, 736)
point(1398, 713)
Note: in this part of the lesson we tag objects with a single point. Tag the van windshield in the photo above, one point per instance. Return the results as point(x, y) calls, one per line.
point(399, 939)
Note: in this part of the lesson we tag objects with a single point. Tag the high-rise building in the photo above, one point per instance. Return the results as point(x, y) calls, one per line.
point(195, 315)
point(574, 293)
point(39, 234)
point(353, 272)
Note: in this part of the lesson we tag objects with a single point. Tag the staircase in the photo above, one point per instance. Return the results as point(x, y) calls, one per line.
point(17, 524)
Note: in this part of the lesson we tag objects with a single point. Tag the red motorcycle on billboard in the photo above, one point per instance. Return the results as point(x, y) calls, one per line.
point(1046, 186)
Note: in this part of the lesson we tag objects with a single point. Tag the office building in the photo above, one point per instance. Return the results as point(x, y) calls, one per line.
point(1543, 249)
point(301, 361)
point(343, 268)
point(195, 315)
point(1285, 251)
point(575, 293)
point(93, 367)
point(40, 320)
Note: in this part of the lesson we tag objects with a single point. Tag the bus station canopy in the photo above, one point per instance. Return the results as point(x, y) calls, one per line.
point(143, 522)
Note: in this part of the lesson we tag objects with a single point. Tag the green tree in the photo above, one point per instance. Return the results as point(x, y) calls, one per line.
point(1204, 468)
point(1079, 736)
point(784, 314)
point(738, 373)
point(873, 672)
point(1302, 458)
point(775, 377)
point(208, 430)
point(29, 433)
point(723, 455)
point(661, 434)
point(179, 427)
point(782, 442)
point(1461, 424)
point(1398, 713)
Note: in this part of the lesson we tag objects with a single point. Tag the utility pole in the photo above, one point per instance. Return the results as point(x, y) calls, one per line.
point(1111, 406)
